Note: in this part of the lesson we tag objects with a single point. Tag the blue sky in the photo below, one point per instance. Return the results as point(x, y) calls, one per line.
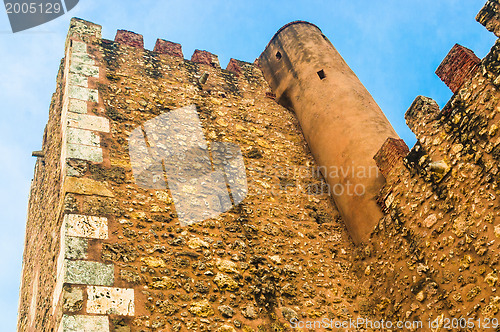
point(393, 46)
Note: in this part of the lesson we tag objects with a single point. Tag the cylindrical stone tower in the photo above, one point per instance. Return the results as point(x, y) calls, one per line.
point(341, 122)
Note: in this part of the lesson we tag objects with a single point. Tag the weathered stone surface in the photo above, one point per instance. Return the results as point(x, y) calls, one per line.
point(84, 30)
point(77, 106)
point(153, 261)
point(201, 309)
point(284, 248)
point(196, 243)
point(129, 38)
point(249, 311)
point(167, 47)
point(163, 283)
point(88, 273)
point(234, 66)
point(72, 299)
point(86, 94)
point(86, 186)
point(225, 282)
point(289, 314)
point(226, 311)
point(86, 226)
point(88, 122)
point(85, 70)
point(77, 79)
point(458, 66)
point(390, 155)
point(82, 58)
point(81, 323)
point(75, 247)
point(489, 16)
point(205, 57)
point(78, 47)
point(82, 137)
point(430, 221)
point(226, 328)
point(109, 300)
point(84, 152)
point(226, 266)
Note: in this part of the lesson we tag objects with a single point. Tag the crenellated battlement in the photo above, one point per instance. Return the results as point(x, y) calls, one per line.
point(489, 16)
point(129, 38)
point(162, 46)
point(167, 47)
point(459, 66)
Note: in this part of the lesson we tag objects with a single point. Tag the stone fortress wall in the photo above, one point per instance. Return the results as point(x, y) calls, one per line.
point(106, 254)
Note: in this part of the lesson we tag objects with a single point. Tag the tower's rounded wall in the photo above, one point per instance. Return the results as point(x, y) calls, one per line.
point(341, 122)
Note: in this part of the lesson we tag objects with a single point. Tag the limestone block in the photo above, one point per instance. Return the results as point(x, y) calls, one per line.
point(72, 299)
point(89, 273)
point(84, 152)
point(77, 106)
point(83, 137)
point(82, 58)
point(201, 308)
point(83, 69)
point(75, 247)
point(109, 300)
point(82, 93)
point(78, 47)
point(86, 226)
point(89, 122)
point(77, 79)
point(80, 323)
point(489, 16)
point(86, 186)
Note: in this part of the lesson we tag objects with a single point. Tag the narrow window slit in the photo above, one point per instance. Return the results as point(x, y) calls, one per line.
point(321, 74)
point(278, 55)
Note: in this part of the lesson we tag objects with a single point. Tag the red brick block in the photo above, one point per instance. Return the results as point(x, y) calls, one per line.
point(234, 66)
point(129, 38)
point(457, 67)
point(167, 47)
point(390, 155)
point(206, 58)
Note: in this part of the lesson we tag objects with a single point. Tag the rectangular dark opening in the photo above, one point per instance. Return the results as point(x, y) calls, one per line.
point(278, 55)
point(321, 74)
